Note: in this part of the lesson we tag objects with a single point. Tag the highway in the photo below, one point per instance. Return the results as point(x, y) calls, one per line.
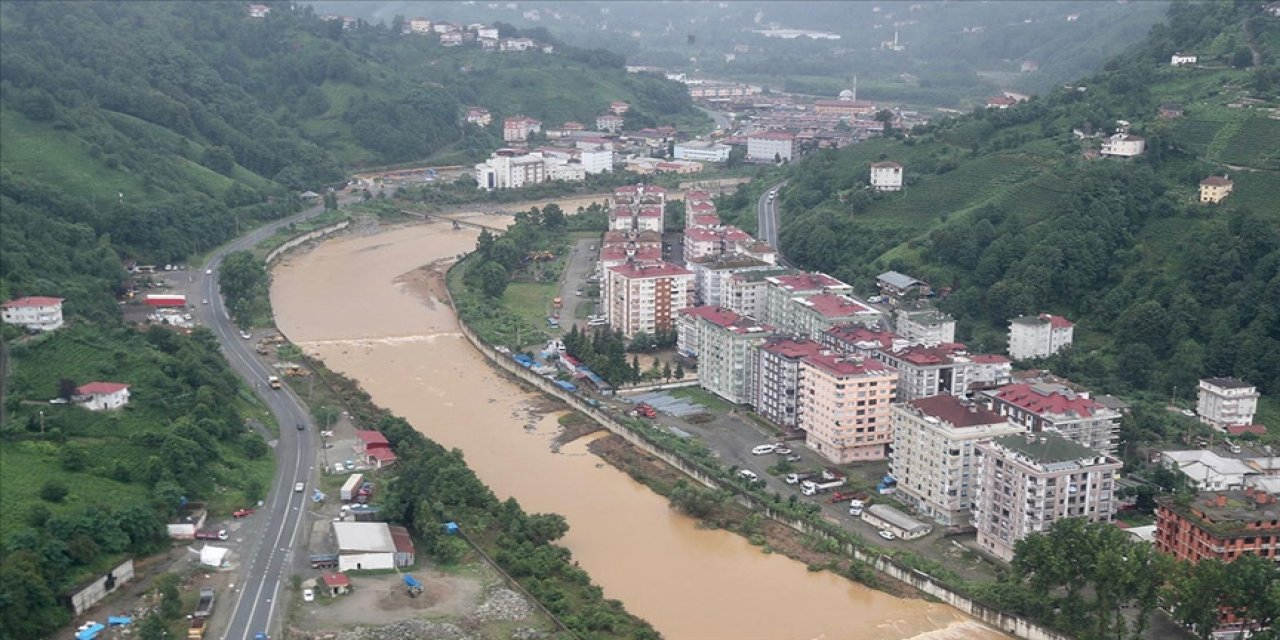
point(271, 533)
point(767, 219)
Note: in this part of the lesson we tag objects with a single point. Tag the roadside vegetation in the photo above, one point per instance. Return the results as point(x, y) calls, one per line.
point(84, 489)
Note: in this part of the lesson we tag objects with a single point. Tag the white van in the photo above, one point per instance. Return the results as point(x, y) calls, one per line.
point(764, 449)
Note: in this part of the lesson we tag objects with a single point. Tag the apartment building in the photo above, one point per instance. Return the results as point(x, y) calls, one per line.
point(923, 324)
point(778, 378)
point(1027, 482)
point(725, 344)
point(1215, 188)
point(933, 456)
point(1124, 145)
point(747, 292)
point(945, 369)
point(700, 151)
point(519, 128)
point(844, 406)
point(612, 256)
point(782, 289)
point(810, 316)
point(638, 206)
point(595, 158)
point(771, 146)
point(711, 275)
point(609, 122)
point(643, 297)
point(1223, 402)
point(727, 240)
point(1039, 336)
point(35, 313)
point(1044, 406)
point(859, 340)
point(479, 116)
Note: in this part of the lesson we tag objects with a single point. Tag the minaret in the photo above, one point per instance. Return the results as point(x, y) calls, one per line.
point(855, 87)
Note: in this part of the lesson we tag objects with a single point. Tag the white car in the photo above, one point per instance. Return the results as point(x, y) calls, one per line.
point(887, 534)
point(782, 451)
point(299, 487)
point(1188, 413)
point(208, 272)
point(748, 474)
point(204, 301)
point(246, 335)
point(764, 449)
point(308, 595)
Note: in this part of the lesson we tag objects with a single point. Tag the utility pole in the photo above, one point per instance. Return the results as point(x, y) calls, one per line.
point(42, 422)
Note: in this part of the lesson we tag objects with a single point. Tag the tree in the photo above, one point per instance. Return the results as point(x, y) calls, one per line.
point(253, 445)
point(219, 159)
point(1242, 58)
point(679, 372)
point(553, 217)
point(153, 627)
point(545, 528)
point(666, 371)
point(170, 598)
point(53, 491)
point(66, 388)
point(30, 607)
point(492, 279)
point(73, 457)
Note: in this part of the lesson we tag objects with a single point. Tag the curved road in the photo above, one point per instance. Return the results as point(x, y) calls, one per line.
point(272, 531)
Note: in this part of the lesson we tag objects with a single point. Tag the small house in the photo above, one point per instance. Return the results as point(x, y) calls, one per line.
point(336, 584)
point(1179, 59)
point(36, 313)
point(1170, 111)
point(103, 396)
point(259, 10)
point(1215, 188)
point(898, 285)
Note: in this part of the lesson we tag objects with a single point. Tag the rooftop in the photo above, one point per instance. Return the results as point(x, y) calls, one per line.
point(728, 233)
point(1049, 399)
point(898, 280)
point(792, 348)
point(772, 135)
point(336, 580)
point(854, 333)
point(886, 165)
point(1228, 383)
point(954, 412)
point(815, 281)
point(372, 438)
point(100, 388)
point(613, 253)
point(764, 274)
point(655, 269)
point(834, 306)
point(896, 518)
point(616, 237)
point(1235, 508)
point(731, 261)
point(1049, 447)
point(842, 365)
point(1216, 181)
point(715, 315)
point(1057, 322)
point(373, 537)
point(32, 301)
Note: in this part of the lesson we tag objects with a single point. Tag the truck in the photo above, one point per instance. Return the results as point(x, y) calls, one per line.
point(324, 561)
point(800, 476)
point(351, 488)
point(204, 608)
point(273, 382)
point(196, 630)
point(813, 488)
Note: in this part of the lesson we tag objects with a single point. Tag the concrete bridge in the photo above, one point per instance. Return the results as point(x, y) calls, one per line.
point(457, 223)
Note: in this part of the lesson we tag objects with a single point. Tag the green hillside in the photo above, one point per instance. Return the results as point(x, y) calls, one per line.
point(1009, 213)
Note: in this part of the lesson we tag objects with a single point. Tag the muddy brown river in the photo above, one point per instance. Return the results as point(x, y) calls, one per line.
point(348, 303)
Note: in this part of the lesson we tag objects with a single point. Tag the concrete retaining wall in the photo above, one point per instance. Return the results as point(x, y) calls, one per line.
point(1015, 625)
point(305, 237)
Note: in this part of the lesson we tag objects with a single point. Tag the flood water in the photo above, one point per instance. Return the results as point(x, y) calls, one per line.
point(347, 303)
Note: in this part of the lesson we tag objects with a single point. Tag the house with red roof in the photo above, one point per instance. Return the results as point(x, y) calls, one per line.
point(102, 396)
point(35, 313)
point(374, 448)
point(1039, 336)
point(337, 583)
point(1045, 406)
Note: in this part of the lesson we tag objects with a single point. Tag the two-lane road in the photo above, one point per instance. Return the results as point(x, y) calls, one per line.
point(273, 531)
point(767, 218)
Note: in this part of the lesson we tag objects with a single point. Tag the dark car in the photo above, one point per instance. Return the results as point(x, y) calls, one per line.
point(301, 426)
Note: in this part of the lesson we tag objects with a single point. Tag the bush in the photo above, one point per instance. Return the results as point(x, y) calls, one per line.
point(53, 491)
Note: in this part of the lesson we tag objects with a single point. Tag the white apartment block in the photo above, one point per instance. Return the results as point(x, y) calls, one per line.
point(845, 407)
point(1045, 406)
point(727, 344)
point(595, 158)
point(644, 297)
point(711, 275)
point(782, 289)
point(699, 151)
point(511, 169)
point(747, 293)
point(35, 313)
point(777, 378)
point(886, 176)
point(1027, 482)
point(933, 456)
point(1039, 336)
point(700, 242)
point(609, 122)
point(770, 146)
point(1224, 402)
point(925, 325)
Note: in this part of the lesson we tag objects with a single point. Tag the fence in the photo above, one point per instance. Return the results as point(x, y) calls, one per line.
point(1009, 623)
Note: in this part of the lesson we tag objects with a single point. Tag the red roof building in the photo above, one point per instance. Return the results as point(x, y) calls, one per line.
point(778, 378)
point(1055, 407)
point(102, 396)
point(32, 301)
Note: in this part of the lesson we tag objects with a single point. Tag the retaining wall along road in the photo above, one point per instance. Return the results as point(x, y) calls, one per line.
point(305, 237)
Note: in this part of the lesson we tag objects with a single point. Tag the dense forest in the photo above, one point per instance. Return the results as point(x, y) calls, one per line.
point(1007, 212)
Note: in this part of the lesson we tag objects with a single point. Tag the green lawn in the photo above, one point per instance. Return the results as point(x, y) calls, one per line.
point(710, 401)
point(531, 301)
point(59, 157)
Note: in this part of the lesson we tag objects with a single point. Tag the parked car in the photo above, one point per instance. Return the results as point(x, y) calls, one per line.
point(351, 466)
point(308, 595)
point(208, 272)
point(782, 451)
point(242, 513)
point(246, 335)
point(301, 426)
point(211, 535)
point(887, 534)
point(795, 457)
point(748, 474)
point(764, 449)
point(1188, 413)
point(204, 301)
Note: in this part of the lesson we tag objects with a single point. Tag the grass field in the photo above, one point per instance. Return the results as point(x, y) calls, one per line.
point(531, 301)
point(58, 157)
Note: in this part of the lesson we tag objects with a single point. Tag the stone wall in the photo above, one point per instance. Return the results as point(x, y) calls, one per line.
point(305, 237)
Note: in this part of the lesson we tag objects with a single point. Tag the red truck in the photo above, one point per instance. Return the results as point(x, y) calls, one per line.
point(644, 410)
point(241, 513)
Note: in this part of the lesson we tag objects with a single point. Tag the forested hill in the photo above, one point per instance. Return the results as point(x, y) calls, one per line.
point(157, 129)
point(1011, 211)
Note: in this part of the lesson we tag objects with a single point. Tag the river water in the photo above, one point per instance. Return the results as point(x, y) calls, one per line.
point(347, 303)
